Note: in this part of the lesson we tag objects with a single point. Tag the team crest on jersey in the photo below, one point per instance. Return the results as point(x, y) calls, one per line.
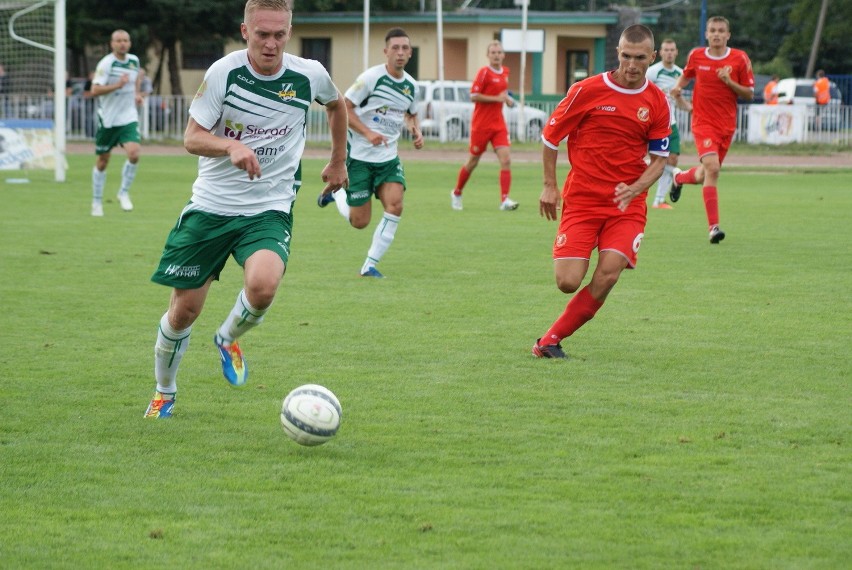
point(233, 130)
point(287, 92)
point(406, 91)
point(643, 114)
point(561, 239)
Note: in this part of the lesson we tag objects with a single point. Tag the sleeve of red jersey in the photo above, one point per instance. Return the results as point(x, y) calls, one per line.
point(689, 68)
point(565, 117)
point(745, 75)
point(479, 81)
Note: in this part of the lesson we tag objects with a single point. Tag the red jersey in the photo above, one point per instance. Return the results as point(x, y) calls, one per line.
point(714, 104)
point(608, 128)
point(489, 82)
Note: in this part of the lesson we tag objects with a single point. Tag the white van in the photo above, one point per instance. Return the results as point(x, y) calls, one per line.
point(793, 91)
point(458, 109)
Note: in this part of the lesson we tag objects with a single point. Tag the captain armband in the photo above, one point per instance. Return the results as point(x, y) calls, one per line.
point(659, 145)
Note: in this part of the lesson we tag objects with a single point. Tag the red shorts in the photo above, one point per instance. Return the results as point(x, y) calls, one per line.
point(709, 142)
point(479, 139)
point(608, 229)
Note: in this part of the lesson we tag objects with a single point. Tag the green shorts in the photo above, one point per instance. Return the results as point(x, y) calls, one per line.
point(674, 140)
point(365, 177)
point(109, 137)
point(200, 243)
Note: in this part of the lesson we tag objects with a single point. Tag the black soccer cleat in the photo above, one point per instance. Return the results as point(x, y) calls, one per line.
point(674, 190)
point(716, 234)
point(548, 350)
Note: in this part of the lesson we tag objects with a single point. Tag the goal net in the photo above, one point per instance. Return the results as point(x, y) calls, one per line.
point(32, 85)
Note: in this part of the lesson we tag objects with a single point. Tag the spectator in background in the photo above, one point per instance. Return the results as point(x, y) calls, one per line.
point(770, 92)
point(822, 94)
point(89, 106)
point(490, 90)
point(4, 90)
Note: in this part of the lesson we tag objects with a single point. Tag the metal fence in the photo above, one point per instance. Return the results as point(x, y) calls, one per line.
point(163, 118)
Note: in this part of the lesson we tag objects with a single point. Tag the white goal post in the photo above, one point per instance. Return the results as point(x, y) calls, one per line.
point(26, 41)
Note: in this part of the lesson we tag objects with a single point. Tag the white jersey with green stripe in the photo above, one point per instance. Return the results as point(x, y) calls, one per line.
point(118, 108)
point(665, 79)
point(381, 103)
point(268, 114)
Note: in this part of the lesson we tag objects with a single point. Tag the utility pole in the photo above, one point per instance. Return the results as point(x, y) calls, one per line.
point(817, 37)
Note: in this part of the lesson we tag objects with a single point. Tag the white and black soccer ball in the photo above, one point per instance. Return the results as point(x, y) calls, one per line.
point(311, 414)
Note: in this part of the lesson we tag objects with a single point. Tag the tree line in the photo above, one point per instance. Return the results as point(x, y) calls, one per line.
point(777, 35)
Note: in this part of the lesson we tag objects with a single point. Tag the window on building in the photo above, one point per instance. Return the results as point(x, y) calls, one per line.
point(576, 67)
point(199, 54)
point(413, 65)
point(318, 49)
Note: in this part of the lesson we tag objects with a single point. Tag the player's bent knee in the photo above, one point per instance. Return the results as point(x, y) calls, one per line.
point(567, 285)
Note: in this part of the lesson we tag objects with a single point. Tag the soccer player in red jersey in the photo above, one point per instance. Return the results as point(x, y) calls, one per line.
point(612, 122)
point(721, 75)
point(490, 90)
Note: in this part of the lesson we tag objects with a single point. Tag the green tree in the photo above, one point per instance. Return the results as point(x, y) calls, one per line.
point(156, 24)
point(833, 54)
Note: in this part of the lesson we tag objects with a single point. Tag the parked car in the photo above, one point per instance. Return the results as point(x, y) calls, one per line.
point(799, 91)
point(793, 91)
point(458, 109)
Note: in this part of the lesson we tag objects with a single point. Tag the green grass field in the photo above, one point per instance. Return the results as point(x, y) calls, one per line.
point(703, 422)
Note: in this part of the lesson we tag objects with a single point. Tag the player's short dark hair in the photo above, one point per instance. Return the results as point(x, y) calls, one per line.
point(637, 33)
point(395, 33)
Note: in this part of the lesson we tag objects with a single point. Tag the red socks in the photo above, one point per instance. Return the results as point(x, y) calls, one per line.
point(687, 177)
point(711, 195)
point(711, 204)
point(505, 183)
point(581, 308)
point(462, 180)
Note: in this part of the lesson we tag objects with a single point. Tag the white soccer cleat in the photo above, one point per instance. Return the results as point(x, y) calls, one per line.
point(97, 209)
point(508, 204)
point(455, 201)
point(124, 200)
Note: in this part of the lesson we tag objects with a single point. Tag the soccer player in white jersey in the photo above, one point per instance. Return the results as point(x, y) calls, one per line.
point(664, 74)
point(117, 84)
point(246, 124)
point(380, 101)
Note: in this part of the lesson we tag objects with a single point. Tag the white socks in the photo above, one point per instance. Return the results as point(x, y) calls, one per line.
point(664, 184)
point(128, 173)
point(382, 240)
point(98, 181)
point(242, 318)
point(340, 201)
point(168, 352)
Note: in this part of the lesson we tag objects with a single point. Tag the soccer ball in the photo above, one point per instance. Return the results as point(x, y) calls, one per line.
point(311, 414)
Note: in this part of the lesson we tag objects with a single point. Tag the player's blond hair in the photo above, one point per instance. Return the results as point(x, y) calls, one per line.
point(718, 19)
point(252, 5)
point(497, 43)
